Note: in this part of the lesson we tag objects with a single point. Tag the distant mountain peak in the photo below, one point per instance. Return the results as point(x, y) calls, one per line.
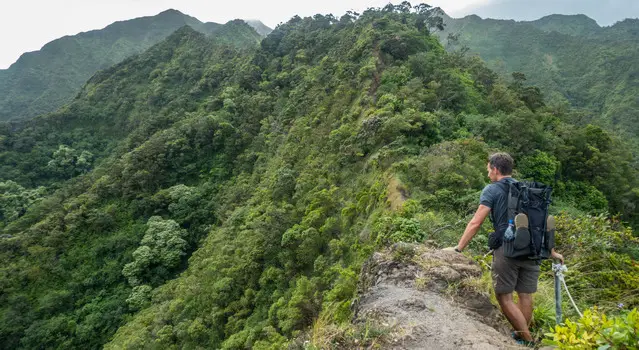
point(567, 24)
point(472, 18)
point(259, 27)
point(557, 16)
point(629, 26)
point(39, 82)
point(175, 15)
point(170, 12)
point(574, 25)
point(628, 22)
point(578, 18)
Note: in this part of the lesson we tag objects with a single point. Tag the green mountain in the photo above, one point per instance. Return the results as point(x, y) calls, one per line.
point(42, 81)
point(570, 58)
point(203, 194)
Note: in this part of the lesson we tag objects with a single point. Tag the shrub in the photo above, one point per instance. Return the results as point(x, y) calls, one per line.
point(597, 331)
point(393, 229)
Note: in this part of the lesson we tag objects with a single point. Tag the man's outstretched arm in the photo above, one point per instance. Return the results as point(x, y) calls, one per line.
point(473, 226)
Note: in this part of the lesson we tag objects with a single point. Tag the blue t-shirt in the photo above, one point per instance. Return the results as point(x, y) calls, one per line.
point(495, 197)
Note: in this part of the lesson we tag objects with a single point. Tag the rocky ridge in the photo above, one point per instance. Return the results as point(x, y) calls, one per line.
point(430, 299)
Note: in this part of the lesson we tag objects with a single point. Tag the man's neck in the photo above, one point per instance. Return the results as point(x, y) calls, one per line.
point(499, 178)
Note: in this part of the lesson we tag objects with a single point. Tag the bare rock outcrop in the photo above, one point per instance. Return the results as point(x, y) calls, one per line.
point(430, 299)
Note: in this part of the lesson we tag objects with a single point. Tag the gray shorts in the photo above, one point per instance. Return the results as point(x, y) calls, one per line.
point(513, 274)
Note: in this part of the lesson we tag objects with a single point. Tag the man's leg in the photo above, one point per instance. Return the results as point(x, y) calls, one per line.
point(527, 285)
point(528, 272)
point(505, 273)
point(525, 304)
point(514, 315)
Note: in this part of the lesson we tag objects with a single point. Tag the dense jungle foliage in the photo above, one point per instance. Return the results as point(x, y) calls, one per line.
point(571, 58)
point(44, 80)
point(208, 195)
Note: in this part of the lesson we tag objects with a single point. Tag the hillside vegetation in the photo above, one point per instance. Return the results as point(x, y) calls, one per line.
point(573, 60)
point(205, 195)
point(43, 81)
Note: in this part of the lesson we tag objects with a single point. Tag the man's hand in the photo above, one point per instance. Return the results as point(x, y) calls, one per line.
point(555, 255)
point(452, 249)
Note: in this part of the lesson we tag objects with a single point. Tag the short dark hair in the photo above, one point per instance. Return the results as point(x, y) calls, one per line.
point(502, 162)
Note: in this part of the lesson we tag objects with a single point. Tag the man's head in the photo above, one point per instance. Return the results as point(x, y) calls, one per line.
point(499, 166)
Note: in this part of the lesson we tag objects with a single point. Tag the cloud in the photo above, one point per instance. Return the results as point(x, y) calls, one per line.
point(459, 7)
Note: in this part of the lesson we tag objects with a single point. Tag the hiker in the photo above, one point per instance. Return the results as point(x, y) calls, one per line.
point(509, 274)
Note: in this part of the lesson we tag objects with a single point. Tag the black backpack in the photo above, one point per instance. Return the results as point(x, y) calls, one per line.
point(532, 199)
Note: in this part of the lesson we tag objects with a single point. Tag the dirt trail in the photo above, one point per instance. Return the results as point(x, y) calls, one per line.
point(430, 299)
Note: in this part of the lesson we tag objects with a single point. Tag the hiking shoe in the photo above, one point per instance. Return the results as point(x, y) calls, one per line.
point(529, 344)
point(521, 220)
point(522, 233)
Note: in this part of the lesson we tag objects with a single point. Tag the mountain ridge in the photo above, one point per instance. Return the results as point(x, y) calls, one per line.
point(568, 24)
point(41, 81)
point(544, 50)
point(171, 14)
point(605, 13)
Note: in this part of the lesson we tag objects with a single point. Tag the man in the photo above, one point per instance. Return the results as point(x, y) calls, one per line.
point(509, 275)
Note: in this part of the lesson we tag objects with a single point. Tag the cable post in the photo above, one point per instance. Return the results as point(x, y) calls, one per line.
point(559, 270)
point(558, 315)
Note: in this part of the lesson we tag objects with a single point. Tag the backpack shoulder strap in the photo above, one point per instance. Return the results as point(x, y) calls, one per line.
point(511, 189)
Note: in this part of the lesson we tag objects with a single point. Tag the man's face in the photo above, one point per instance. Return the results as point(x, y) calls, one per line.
point(493, 173)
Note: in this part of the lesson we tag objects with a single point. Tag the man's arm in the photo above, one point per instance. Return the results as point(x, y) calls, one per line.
point(473, 226)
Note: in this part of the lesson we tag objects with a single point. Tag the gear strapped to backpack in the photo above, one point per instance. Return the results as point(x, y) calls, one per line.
point(535, 242)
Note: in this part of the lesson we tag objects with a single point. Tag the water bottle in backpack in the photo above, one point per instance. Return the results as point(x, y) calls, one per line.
point(509, 235)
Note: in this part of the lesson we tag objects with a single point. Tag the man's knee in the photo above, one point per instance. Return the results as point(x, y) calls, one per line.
point(504, 298)
point(525, 298)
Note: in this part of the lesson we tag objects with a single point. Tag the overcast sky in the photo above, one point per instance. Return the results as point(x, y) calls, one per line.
point(26, 25)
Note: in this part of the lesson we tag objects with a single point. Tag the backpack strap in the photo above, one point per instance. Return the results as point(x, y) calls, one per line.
point(513, 198)
point(543, 206)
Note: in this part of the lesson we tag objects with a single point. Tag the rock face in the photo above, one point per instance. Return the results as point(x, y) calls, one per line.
point(430, 299)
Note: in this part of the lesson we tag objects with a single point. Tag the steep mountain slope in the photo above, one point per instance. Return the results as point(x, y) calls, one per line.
point(569, 57)
point(117, 110)
point(42, 81)
point(111, 106)
point(201, 195)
